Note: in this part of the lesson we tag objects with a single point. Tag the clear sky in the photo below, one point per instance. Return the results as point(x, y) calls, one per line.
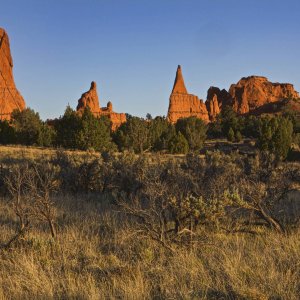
point(132, 48)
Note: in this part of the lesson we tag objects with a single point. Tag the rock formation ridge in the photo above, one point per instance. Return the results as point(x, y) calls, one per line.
point(90, 99)
point(253, 94)
point(10, 98)
point(249, 95)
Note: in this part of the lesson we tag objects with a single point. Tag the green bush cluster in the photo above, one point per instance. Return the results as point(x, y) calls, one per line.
point(69, 131)
point(157, 134)
point(87, 132)
point(274, 134)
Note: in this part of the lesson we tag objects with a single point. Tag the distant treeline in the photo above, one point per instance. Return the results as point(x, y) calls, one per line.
point(273, 133)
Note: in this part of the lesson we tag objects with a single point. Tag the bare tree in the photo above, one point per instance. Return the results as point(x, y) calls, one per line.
point(31, 188)
point(41, 183)
point(15, 183)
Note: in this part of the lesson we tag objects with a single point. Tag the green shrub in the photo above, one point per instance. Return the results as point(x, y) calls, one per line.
point(178, 144)
point(275, 135)
point(194, 131)
point(134, 135)
point(94, 133)
point(230, 135)
point(238, 136)
point(27, 125)
point(7, 133)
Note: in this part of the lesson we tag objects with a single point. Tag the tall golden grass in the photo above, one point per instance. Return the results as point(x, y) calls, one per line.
point(99, 255)
point(36, 153)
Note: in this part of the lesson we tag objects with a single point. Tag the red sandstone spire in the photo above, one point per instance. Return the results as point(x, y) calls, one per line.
point(90, 99)
point(179, 86)
point(10, 98)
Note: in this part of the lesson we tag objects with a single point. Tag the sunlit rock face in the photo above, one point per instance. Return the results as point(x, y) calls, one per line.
point(216, 99)
point(182, 104)
point(90, 99)
point(10, 98)
point(254, 91)
point(253, 94)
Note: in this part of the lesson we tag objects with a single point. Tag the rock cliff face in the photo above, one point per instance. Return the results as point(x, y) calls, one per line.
point(10, 98)
point(254, 91)
point(250, 94)
point(182, 104)
point(217, 98)
point(90, 99)
point(213, 107)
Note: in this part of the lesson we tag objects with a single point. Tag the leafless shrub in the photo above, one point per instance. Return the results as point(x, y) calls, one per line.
point(228, 193)
point(260, 188)
point(41, 183)
point(16, 185)
point(170, 206)
point(31, 188)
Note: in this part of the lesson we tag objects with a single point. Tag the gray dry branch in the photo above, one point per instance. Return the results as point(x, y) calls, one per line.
point(150, 221)
point(31, 188)
point(261, 198)
point(16, 185)
point(42, 183)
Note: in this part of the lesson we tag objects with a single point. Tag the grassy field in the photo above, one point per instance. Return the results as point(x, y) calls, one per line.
point(30, 152)
point(100, 252)
point(99, 255)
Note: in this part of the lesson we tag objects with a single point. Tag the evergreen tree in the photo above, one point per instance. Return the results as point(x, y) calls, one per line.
point(238, 136)
point(194, 131)
point(251, 125)
point(47, 135)
point(230, 135)
point(275, 135)
point(95, 133)
point(67, 128)
point(160, 133)
point(178, 144)
point(228, 118)
point(27, 125)
point(7, 133)
point(133, 135)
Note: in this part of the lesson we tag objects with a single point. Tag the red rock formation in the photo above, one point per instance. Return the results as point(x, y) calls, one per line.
point(216, 99)
point(213, 107)
point(179, 86)
point(10, 98)
point(90, 99)
point(250, 95)
point(254, 91)
point(182, 104)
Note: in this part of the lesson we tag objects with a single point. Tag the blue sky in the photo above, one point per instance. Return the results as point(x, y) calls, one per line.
point(132, 48)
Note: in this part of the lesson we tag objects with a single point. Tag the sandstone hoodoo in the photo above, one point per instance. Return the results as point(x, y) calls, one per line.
point(10, 98)
point(251, 94)
point(217, 98)
point(90, 99)
point(182, 104)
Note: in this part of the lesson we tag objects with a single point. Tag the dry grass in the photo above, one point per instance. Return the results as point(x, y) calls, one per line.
point(99, 255)
point(31, 152)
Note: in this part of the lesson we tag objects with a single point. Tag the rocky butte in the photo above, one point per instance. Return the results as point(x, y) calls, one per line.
point(90, 99)
point(251, 94)
point(182, 104)
point(10, 98)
